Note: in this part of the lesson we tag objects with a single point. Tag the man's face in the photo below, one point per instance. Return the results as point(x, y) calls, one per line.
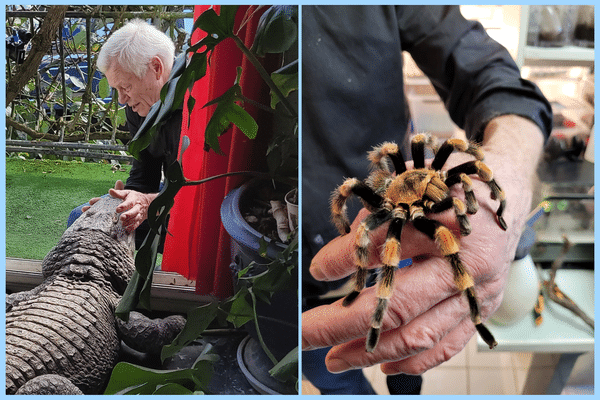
point(138, 93)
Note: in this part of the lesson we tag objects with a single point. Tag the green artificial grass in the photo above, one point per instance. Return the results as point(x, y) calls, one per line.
point(40, 195)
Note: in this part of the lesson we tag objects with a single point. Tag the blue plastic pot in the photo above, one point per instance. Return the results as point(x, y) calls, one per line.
point(245, 239)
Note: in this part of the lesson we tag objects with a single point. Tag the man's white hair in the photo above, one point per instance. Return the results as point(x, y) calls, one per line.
point(133, 46)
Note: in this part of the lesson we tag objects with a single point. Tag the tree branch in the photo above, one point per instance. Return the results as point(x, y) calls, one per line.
point(40, 44)
point(125, 136)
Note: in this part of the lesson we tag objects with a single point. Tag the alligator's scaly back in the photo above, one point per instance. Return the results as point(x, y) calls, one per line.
point(66, 325)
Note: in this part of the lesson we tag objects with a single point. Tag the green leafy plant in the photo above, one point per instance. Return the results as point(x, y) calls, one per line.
point(193, 380)
point(239, 309)
point(277, 32)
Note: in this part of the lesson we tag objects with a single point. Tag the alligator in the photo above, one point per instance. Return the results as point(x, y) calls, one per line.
point(62, 337)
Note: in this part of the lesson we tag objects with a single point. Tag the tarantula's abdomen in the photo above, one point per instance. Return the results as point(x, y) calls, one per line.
point(411, 186)
point(408, 187)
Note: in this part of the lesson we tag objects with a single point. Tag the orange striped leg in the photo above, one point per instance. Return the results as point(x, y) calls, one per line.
point(361, 248)
point(391, 259)
point(449, 248)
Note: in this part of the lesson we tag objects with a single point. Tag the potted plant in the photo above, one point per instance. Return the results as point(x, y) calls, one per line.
point(260, 278)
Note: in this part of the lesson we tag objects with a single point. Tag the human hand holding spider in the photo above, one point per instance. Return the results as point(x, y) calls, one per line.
point(428, 321)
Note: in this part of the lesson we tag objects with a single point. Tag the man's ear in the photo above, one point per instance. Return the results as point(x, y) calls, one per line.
point(157, 67)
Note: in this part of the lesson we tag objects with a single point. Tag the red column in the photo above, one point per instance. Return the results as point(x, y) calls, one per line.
point(200, 247)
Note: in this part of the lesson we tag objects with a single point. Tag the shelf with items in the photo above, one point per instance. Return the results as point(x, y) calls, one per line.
point(567, 54)
point(564, 56)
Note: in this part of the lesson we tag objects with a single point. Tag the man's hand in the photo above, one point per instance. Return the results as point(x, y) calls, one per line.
point(428, 320)
point(134, 207)
point(119, 185)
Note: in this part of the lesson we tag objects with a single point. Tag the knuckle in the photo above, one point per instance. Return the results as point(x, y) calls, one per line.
point(319, 338)
point(417, 368)
point(418, 340)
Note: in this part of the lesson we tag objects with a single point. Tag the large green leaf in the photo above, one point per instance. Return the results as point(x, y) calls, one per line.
point(129, 300)
point(128, 378)
point(171, 389)
point(138, 288)
point(169, 98)
point(146, 132)
point(286, 369)
point(279, 273)
point(217, 26)
point(80, 38)
point(277, 30)
point(192, 73)
point(287, 83)
point(157, 114)
point(198, 320)
point(241, 310)
point(226, 113)
point(103, 88)
point(244, 121)
point(275, 279)
point(121, 117)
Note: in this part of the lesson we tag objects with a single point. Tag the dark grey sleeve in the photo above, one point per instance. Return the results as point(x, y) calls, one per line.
point(474, 75)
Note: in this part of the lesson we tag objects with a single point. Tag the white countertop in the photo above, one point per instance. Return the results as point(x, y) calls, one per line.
point(562, 331)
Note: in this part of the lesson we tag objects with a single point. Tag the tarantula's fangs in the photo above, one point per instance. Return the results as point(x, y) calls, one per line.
point(408, 196)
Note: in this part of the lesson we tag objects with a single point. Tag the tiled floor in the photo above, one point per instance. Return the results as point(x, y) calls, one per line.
point(470, 372)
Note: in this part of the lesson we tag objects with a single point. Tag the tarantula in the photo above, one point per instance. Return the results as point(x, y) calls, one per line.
point(406, 197)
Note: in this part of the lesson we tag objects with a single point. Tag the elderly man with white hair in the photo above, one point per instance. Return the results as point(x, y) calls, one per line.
point(137, 60)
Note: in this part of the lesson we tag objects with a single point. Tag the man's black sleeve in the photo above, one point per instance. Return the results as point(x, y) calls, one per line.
point(474, 75)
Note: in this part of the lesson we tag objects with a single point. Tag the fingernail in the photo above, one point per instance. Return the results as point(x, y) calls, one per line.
point(316, 272)
point(337, 365)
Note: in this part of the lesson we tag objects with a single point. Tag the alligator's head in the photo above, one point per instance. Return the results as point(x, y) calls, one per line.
point(103, 217)
point(95, 245)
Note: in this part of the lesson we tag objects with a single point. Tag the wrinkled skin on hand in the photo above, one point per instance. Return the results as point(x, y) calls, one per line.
point(134, 207)
point(428, 320)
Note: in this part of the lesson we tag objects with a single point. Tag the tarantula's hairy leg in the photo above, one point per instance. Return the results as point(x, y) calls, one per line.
point(448, 245)
point(341, 194)
point(390, 260)
point(432, 142)
point(467, 184)
point(461, 214)
point(370, 223)
point(376, 156)
point(379, 180)
point(539, 308)
point(459, 209)
point(454, 144)
point(486, 174)
point(417, 149)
